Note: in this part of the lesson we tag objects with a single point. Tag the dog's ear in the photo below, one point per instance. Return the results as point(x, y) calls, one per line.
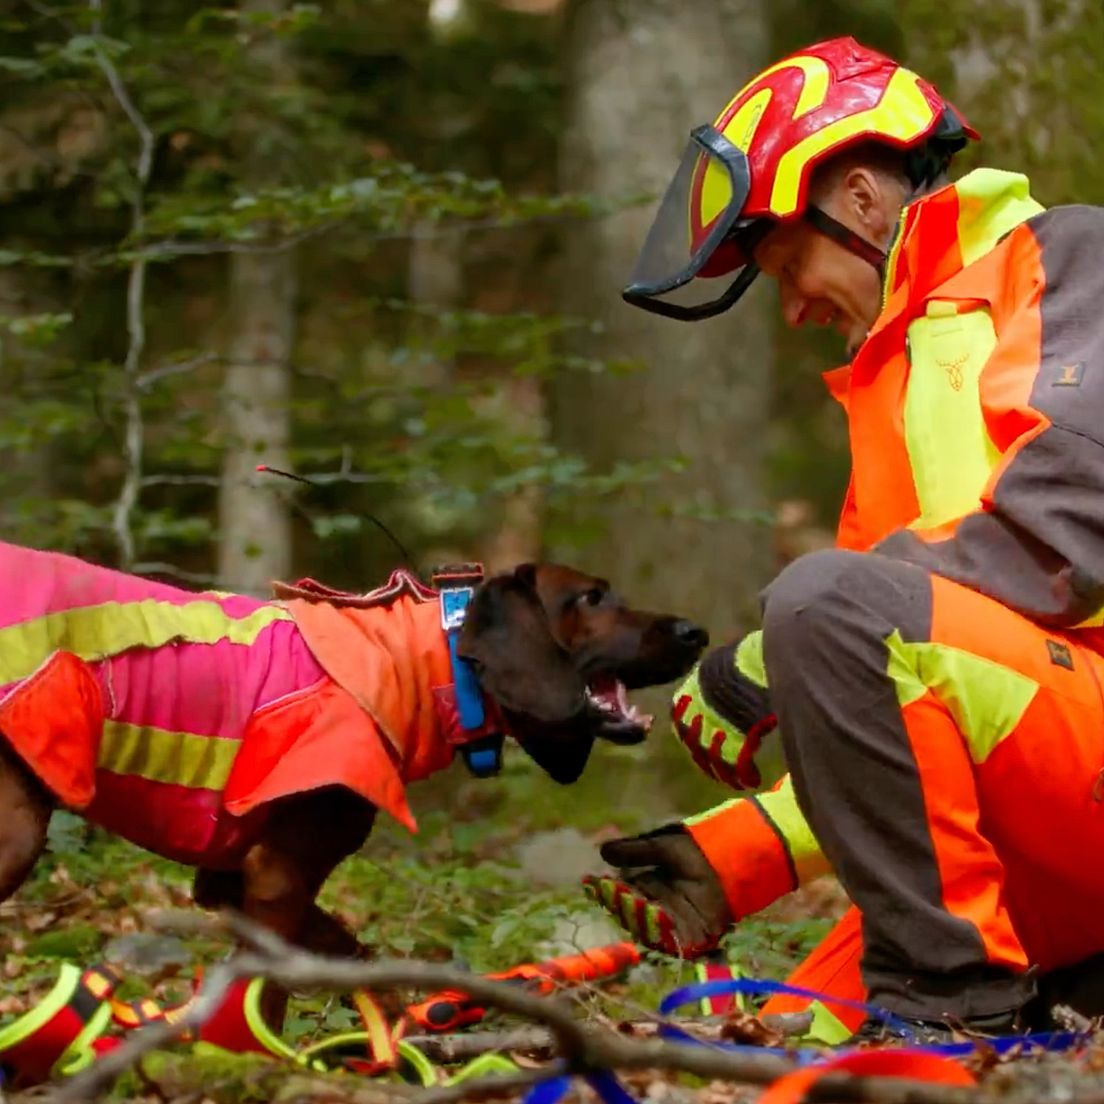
point(562, 755)
point(507, 637)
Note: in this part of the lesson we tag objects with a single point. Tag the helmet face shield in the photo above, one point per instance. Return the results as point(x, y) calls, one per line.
point(696, 260)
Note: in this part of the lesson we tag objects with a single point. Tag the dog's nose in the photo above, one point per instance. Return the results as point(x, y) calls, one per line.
point(693, 636)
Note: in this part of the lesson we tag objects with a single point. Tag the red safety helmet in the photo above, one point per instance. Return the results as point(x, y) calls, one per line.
point(751, 169)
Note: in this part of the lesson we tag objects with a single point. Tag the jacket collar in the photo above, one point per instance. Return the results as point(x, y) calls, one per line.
point(940, 234)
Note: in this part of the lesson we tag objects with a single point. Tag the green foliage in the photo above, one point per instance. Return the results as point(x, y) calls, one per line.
point(1028, 77)
point(456, 894)
point(313, 128)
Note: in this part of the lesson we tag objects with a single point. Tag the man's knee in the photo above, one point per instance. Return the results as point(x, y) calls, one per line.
point(805, 591)
point(831, 592)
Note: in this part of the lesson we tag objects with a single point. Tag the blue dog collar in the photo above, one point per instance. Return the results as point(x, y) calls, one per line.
point(456, 584)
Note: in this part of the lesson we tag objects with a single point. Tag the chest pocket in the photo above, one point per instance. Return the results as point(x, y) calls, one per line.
point(949, 447)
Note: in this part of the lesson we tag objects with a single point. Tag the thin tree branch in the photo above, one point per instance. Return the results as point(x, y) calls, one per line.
point(135, 305)
point(462, 1046)
point(171, 247)
point(179, 481)
point(146, 380)
point(153, 568)
point(581, 1046)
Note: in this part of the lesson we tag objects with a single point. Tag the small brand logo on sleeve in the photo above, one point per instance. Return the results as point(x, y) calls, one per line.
point(1070, 375)
point(1060, 654)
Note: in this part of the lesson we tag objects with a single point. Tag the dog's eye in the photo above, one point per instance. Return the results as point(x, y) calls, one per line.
point(592, 597)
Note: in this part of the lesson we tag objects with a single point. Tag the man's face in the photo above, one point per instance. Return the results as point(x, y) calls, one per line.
point(820, 281)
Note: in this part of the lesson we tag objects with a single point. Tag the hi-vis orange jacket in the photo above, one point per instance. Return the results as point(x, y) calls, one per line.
point(976, 421)
point(174, 718)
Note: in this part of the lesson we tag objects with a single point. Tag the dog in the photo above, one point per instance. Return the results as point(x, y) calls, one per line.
point(256, 741)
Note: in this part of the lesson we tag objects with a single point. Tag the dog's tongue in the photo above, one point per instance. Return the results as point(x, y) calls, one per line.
point(609, 695)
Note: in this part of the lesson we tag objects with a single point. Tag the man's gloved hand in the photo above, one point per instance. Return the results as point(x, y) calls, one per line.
point(666, 896)
point(723, 714)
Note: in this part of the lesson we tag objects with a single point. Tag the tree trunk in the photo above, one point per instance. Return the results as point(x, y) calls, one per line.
point(642, 73)
point(1028, 76)
point(254, 520)
point(254, 524)
point(26, 474)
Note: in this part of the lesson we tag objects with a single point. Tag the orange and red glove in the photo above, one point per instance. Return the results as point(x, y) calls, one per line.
point(665, 894)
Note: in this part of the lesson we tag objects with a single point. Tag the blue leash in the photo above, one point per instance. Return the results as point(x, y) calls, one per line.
point(610, 1089)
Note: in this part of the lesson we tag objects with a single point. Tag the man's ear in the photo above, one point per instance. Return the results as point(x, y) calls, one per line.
point(506, 636)
point(873, 199)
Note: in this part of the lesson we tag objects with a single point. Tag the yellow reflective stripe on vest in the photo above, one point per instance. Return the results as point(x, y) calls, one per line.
point(181, 758)
point(94, 632)
point(780, 808)
point(990, 203)
point(950, 451)
point(986, 699)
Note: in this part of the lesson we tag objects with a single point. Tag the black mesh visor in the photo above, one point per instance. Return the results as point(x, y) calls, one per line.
point(696, 260)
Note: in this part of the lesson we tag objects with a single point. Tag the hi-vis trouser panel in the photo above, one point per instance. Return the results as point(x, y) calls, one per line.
point(946, 752)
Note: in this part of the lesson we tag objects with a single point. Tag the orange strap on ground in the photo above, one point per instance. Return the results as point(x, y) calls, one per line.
point(911, 1064)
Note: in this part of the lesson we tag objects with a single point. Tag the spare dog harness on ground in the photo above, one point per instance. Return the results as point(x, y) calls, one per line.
point(172, 718)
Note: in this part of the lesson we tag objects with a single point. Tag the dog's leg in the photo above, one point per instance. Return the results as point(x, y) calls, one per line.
point(320, 932)
point(305, 838)
point(25, 808)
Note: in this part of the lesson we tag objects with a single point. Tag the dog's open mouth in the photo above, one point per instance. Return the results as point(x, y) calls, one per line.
point(616, 718)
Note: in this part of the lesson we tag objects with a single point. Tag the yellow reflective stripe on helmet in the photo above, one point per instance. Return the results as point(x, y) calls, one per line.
point(990, 203)
point(950, 451)
point(159, 755)
point(814, 88)
point(986, 699)
point(749, 658)
point(716, 190)
point(781, 810)
point(93, 632)
point(902, 114)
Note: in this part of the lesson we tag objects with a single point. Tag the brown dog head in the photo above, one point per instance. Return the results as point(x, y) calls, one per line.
point(557, 650)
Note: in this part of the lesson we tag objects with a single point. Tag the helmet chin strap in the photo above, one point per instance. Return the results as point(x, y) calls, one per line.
point(843, 235)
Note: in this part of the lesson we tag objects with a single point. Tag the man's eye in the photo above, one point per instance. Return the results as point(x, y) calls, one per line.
point(592, 597)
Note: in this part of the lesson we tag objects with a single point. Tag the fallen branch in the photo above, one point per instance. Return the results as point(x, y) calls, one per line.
point(537, 1042)
point(540, 1042)
point(581, 1047)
